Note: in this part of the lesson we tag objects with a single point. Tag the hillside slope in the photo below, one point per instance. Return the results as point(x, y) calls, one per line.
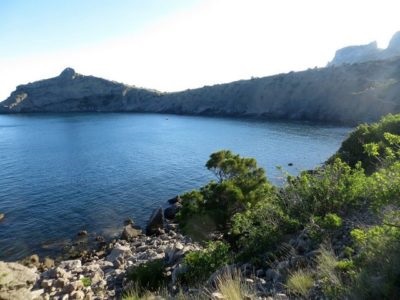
point(348, 94)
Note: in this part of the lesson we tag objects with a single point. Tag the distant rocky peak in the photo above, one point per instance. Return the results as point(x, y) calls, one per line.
point(68, 73)
point(394, 43)
point(368, 52)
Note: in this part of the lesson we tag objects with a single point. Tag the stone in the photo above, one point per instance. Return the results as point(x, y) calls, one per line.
point(48, 263)
point(119, 251)
point(281, 296)
point(47, 283)
point(77, 295)
point(178, 246)
point(34, 260)
point(71, 264)
point(82, 233)
point(73, 286)
point(36, 294)
point(171, 211)
point(1, 216)
point(303, 243)
point(20, 294)
point(60, 283)
point(129, 233)
point(272, 275)
point(217, 296)
point(128, 221)
point(100, 239)
point(176, 199)
point(16, 276)
point(156, 222)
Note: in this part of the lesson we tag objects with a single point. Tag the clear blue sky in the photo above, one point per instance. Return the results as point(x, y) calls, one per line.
point(177, 44)
point(47, 25)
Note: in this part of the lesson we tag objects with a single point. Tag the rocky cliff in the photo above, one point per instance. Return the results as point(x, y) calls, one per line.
point(342, 94)
point(363, 53)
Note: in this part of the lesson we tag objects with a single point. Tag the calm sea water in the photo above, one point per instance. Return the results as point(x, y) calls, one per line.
point(60, 174)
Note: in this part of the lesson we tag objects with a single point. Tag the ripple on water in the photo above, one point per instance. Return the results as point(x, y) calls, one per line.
point(60, 174)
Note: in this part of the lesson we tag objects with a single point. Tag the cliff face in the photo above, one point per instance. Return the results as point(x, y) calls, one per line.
point(70, 92)
point(342, 94)
point(369, 52)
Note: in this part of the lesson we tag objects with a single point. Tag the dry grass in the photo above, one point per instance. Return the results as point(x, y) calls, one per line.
point(300, 283)
point(327, 266)
point(232, 286)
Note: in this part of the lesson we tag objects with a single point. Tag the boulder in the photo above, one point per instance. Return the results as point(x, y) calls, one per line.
point(48, 263)
point(171, 211)
point(119, 251)
point(174, 200)
point(82, 233)
point(128, 221)
point(34, 260)
point(129, 233)
point(71, 264)
point(156, 222)
point(16, 281)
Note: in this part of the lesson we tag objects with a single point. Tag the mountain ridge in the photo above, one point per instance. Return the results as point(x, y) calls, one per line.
point(344, 94)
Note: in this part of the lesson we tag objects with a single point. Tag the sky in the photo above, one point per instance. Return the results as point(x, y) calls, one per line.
point(172, 45)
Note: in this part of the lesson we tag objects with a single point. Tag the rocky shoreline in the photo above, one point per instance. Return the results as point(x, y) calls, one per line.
point(102, 273)
point(99, 273)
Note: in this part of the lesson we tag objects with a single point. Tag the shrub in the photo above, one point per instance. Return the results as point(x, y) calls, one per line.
point(300, 283)
point(379, 262)
point(384, 186)
point(345, 265)
point(260, 228)
point(353, 149)
point(240, 183)
point(331, 189)
point(149, 275)
point(330, 221)
point(86, 281)
point(201, 264)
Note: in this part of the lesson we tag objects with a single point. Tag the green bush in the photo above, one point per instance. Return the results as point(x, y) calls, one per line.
point(331, 189)
point(330, 221)
point(260, 228)
point(353, 149)
point(378, 261)
point(148, 276)
point(240, 183)
point(383, 187)
point(201, 264)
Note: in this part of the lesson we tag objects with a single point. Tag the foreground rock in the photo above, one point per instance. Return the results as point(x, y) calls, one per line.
point(16, 281)
point(156, 222)
point(98, 278)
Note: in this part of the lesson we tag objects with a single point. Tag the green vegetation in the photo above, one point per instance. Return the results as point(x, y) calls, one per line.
point(370, 139)
point(148, 276)
point(201, 264)
point(86, 281)
point(300, 283)
point(257, 220)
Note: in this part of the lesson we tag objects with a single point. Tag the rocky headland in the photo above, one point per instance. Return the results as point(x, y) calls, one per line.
point(360, 85)
point(368, 52)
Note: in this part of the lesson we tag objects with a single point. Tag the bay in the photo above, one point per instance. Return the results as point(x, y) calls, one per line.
point(62, 173)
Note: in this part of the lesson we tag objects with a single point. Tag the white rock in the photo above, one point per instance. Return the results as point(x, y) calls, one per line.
point(71, 264)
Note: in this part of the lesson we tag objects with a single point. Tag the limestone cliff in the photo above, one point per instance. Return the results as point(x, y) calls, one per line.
point(341, 94)
point(369, 52)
